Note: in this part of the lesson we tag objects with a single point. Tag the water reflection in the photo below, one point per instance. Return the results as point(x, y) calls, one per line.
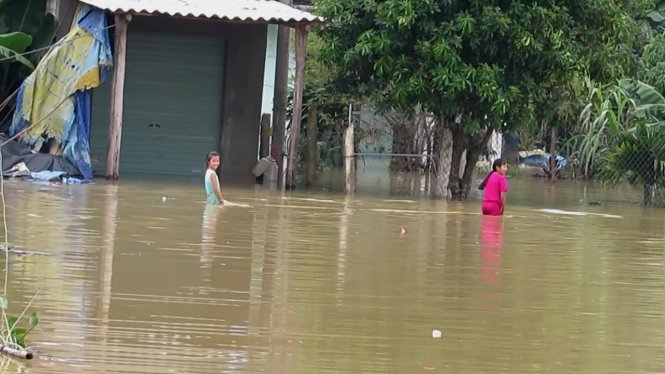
point(211, 214)
point(301, 282)
point(344, 224)
point(491, 245)
point(106, 262)
point(491, 241)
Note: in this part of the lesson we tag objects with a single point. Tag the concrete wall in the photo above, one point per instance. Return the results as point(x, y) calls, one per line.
point(241, 109)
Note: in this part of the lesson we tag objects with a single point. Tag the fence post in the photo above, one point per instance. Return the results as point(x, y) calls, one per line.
point(349, 157)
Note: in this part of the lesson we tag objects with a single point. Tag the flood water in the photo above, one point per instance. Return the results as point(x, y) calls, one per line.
point(141, 277)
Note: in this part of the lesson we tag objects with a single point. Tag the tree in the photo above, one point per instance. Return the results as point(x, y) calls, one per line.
point(653, 21)
point(326, 115)
point(623, 136)
point(476, 65)
point(639, 157)
point(652, 71)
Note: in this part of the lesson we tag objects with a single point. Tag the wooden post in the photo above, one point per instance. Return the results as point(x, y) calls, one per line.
point(117, 97)
point(301, 49)
point(349, 155)
point(281, 96)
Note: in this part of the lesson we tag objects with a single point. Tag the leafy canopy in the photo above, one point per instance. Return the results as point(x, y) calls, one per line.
point(486, 59)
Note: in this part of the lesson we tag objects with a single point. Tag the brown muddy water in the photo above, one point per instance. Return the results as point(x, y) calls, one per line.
point(141, 277)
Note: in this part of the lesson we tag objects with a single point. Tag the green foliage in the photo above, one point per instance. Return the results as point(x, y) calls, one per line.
point(331, 121)
point(26, 27)
point(28, 16)
point(623, 136)
point(602, 119)
point(332, 113)
point(488, 60)
point(317, 76)
point(17, 334)
point(12, 45)
point(639, 157)
point(653, 63)
point(493, 64)
point(12, 328)
point(652, 21)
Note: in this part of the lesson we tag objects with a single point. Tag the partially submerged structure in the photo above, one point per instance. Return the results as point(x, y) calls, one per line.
point(188, 77)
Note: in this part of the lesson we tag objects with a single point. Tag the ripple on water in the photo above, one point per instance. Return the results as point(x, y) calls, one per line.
point(326, 283)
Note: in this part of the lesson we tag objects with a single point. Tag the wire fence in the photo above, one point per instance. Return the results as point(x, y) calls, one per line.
point(396, 174)
point(415, 175)
point(632, 165)
point(373, 176)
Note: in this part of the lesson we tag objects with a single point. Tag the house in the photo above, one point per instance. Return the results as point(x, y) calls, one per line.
point(197, 76)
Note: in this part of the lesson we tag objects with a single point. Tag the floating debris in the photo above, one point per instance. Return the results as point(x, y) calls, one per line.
point(14, 250)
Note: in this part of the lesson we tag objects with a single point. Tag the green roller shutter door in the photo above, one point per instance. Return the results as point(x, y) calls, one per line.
point(172, 105)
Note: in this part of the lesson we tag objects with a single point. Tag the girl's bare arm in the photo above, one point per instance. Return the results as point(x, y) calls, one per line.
point(503, 200)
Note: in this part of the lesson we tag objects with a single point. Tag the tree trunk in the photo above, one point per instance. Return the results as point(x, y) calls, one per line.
point(473, 145)
point(455, 161)
point(312, 144)
point(401, 126)
point(433, 148)
point(445, 148)
point(475, 148)
point(299, 83)
point(472, 156)
point(281, 95)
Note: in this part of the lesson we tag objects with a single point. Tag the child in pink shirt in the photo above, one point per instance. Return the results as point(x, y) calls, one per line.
point(495, 186)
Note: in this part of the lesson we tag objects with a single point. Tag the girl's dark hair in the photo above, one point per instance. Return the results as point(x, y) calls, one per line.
point(210, 155)
point(497, 164)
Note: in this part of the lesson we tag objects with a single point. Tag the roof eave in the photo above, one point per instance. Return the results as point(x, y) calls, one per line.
point(262, 21)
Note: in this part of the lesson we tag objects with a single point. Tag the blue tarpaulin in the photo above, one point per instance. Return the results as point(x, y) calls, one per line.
point(55, 100)
point(56, 176)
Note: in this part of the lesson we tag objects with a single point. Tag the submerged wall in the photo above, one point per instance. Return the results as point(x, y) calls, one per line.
point(243, 85)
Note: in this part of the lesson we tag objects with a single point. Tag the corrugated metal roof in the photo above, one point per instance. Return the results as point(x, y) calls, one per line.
point(268, 11)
